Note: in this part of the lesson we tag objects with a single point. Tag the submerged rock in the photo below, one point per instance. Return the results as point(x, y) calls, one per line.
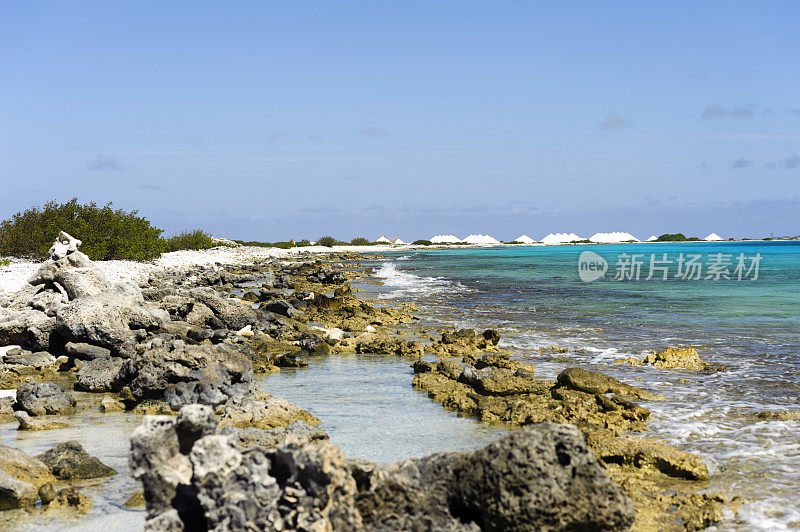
point(645, 454)
point(26, 422)
point(515, 397)
point(69, 501)
point(540, 478)
point(263, 412)
point(69, 461)
point(769, 415)
point(135, 501)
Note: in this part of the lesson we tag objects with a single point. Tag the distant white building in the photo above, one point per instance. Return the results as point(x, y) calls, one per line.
point(480, 239)
point(560, 238)
point(652, 239)
point(384, 240)
point(524, 239)
point(612, 238)
point(713, 237)
point(445, 239)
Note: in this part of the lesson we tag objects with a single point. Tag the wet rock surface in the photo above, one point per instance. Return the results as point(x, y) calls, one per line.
point(21, 476)
point(540, 478)
point(69, 461)
point(685, 358)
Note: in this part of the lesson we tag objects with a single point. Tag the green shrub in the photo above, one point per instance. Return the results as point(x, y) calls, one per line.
point(196, 239)
point(327, 241)
point(422, 242)
point(106, 233)
point(672, 237)
point(4, 262)
point(282, 245)
point(360, 241)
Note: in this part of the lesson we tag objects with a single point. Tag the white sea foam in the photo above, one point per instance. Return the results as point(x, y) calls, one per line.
point(405, 283)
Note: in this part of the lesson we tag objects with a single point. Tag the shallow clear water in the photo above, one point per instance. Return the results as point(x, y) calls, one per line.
point(536, 298)
point(367, 405)
point(106, 436)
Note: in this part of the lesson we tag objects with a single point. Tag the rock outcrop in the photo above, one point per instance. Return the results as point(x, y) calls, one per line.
point(39, 399)
point(69, 461)
point(672, 358)
point(540, 478)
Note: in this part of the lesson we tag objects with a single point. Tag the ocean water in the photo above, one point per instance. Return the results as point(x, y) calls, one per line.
point(535, 297)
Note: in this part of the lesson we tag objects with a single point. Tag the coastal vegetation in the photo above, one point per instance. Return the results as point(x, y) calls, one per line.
point(4, 261)
point(362, 241)
point(327, 241)
point(196, 239)
point(107, 233)
point(422, 243)
point(677, 237)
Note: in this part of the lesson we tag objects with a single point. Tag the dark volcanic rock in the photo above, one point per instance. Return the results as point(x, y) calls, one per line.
point(39, 399)
point(69, 461)
point(570, 487)
point(284, 308)
point(191, 372)
point(542, 477)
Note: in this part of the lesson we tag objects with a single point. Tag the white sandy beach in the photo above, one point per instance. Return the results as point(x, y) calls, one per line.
point(14, 276)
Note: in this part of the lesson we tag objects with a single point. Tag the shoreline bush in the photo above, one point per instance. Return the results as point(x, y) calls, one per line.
point(106, 233)
point(195, 240)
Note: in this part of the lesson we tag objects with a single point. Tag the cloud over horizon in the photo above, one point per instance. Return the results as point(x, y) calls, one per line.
point(615, 121)
point(747, 110)
point(372, 132)
point(104, 162)
point(791, 162)
point(740, 163)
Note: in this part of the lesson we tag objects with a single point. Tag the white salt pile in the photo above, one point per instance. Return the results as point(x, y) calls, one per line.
point(524, 239)
point(713, 237)
point(445, 239)
point(652, 239)
point(560, 238)
point(481, 239)
point(397, 241)
point(613, 238)
point(384, 240)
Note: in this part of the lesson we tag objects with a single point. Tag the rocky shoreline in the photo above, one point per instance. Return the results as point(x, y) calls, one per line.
point(185, 345)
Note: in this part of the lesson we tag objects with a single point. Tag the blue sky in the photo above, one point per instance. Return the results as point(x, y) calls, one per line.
point(276, 120)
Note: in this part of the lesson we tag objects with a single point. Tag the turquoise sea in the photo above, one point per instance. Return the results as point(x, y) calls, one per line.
point(535, 297)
